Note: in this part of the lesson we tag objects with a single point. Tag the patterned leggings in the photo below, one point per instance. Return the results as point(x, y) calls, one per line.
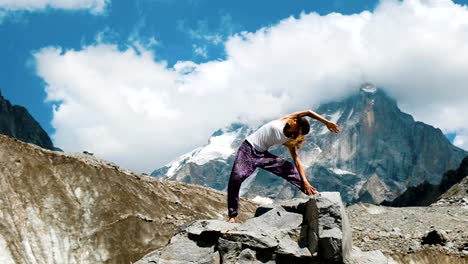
point(246, 161)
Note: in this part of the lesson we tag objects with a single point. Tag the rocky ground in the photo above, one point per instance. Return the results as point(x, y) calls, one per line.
point(74, 208)
point(308, 231)
point(400, 231)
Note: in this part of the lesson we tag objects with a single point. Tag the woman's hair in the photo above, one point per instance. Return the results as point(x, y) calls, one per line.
point(304, 128)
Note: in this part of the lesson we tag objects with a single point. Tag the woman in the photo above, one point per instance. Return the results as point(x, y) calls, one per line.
point(289, 131)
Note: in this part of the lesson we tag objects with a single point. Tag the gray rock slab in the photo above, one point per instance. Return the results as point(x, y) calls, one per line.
point(290, 244)
point(180, 250)
point(255, 239)
point(329, 231)
point(203, 226)
point(273, 221)
point(229, 251)
point(296, 205)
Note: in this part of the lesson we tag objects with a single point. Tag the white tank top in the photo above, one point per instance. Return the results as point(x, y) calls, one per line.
point(268, 135)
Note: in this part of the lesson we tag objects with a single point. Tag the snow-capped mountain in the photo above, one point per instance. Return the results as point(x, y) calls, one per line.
point(379, 152)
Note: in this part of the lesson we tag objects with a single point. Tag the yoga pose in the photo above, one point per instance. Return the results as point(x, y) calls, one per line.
point(289, 131)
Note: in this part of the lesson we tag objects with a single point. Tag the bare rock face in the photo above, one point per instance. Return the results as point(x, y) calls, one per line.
point(452, 189)
point(65, 208)
point(15, 121)
point(314, 230)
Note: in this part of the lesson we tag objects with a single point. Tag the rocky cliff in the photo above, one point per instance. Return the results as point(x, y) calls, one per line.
point(15, 121)
point(74, 208)
point(378, 154)
point(451, 186)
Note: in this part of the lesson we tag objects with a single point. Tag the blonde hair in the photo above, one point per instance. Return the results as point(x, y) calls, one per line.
point(298, 141)
point(304, 128)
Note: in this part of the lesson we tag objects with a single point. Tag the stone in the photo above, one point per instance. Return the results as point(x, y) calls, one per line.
point(229, 251)
point(285, 233)
point(181, 249)
point(208, 226)
point(296, 205)
point(434, 237)
point(251, 238)
point(329, 229)
point(357, 256)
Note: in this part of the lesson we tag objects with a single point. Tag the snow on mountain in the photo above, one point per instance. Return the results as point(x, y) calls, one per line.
point(369, 88)
point(262, 200)
point(219, 147)
point(340, 171)
point(175, 165)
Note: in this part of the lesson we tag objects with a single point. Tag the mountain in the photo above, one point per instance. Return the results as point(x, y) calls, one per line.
point(59, 208)
point(453, 184)
point(15, 121)
point(378, 154)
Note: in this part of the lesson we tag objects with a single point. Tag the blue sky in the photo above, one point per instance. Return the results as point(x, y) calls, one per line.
point(157, 66)
point(170, 23)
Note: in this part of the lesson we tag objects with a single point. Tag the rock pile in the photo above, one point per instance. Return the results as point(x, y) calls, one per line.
point(314, 230)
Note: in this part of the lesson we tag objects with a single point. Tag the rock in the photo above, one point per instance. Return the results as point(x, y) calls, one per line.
point(329, 230)
point(277, 228)
point(282, 233)
point(296, 205)
point(357, 256)
point(215, 227)
point(181, 249)
point(434, 237)
point(229, 251)
point(253, 239)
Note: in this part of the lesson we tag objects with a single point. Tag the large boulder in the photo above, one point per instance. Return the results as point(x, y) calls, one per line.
point(314, 230)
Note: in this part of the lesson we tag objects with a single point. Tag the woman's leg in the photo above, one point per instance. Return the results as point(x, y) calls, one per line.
point(243, 167)
point(282, 168)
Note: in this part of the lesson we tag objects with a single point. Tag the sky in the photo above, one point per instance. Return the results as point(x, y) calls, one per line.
point(141, 82)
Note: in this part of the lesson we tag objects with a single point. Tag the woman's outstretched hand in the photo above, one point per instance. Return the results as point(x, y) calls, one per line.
point(332, 127)
point(309, 189)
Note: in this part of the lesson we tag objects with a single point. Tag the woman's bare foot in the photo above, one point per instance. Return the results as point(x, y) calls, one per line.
point(232, 220)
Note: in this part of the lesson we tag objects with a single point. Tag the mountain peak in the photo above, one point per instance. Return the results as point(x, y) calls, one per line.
point(368, 88)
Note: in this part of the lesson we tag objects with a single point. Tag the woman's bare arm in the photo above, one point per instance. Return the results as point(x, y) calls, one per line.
point(300, 168)
point(308, 113)
point(330, 125)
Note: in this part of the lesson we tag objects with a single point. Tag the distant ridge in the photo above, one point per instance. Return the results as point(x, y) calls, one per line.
point(15, 121)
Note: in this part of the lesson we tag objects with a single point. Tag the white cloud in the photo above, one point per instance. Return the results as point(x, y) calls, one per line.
point(202, 32)
point(129, 108)
point(95, 6)
point(200, 51)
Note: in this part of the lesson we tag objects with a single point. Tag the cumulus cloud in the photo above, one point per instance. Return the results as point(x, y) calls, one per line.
point(127, 107)
point(95, 6)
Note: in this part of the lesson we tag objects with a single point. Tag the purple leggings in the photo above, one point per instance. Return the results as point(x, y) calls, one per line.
point(246, 161)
